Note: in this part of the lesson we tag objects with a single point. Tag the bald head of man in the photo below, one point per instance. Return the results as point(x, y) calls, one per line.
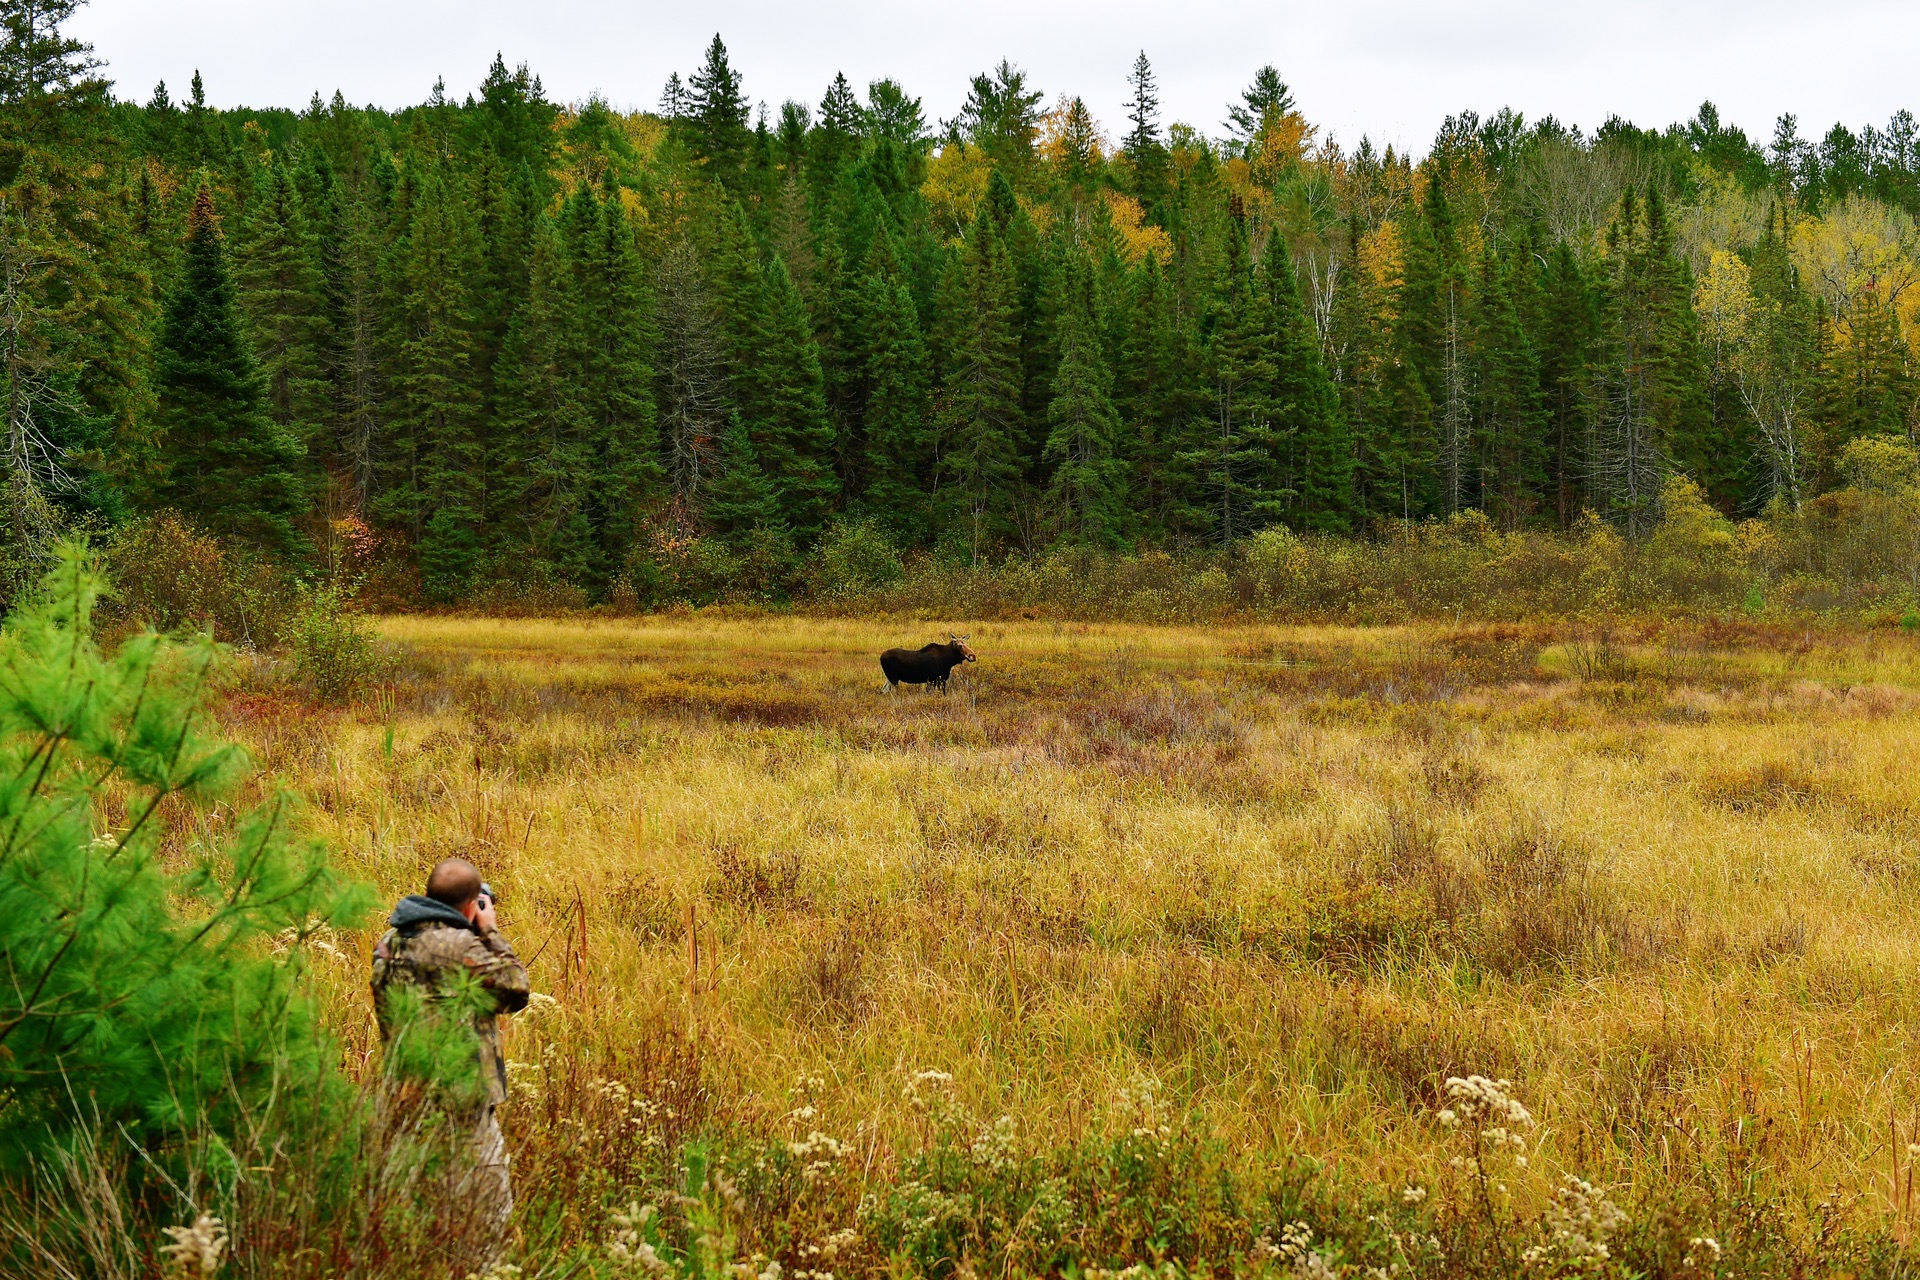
point(454, 881)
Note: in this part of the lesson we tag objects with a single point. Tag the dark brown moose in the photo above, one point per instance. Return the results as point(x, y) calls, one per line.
point(929, 665)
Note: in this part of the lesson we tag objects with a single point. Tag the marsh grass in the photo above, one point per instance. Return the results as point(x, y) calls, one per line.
point(1160, 946)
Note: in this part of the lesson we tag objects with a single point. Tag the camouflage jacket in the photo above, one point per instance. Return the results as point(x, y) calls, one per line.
point(426, 942)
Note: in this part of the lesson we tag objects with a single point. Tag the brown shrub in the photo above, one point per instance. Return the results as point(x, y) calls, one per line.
point(171, 577)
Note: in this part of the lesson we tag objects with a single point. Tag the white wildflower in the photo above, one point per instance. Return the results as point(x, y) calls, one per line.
point(817, 1153)
point(198, 1249)
point(1580, 1224)
point(626, 1246)
point(1296, 1249)
point(838, 1242)
point(1478, 1100)
point(994, 1148)
point(1413, 1195)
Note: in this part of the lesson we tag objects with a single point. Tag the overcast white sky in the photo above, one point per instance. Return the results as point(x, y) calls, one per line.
point(1389, 68)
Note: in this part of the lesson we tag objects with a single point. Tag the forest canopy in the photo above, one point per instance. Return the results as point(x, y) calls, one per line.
point(507, 339)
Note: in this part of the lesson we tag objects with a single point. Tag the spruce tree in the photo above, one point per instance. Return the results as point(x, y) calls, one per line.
point(438, 391)
point(1435, 315)
point(979, 453)
point(76, 290)
point(231, 468)
point(1303, 415)
point(1866, 383)
point(898, 447)
point(1223, 470)
point(1084, 486)
point(615, 378)
point(793, 437)
point(717, 116)
point(740, 498)
point(1506, 408)
point(1568, 319)
point(542, 464)
point(359, 390)
point(834, 141)
point(1778, 372)
point(283, 295)
point(1156, 392)
point(1652, 377)
point(1144, 147)
point(513, 119)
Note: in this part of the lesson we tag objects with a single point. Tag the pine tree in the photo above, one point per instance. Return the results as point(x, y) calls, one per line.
point(1083, 424)
point(107, 935)
point(1002, 115)
point(1265, 101)
point(981, 415)
point(231, 470)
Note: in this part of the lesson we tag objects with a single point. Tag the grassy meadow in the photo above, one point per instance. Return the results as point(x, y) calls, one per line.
point(1156, 947)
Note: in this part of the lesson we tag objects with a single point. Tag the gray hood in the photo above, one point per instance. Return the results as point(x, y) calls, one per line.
point(415, 910)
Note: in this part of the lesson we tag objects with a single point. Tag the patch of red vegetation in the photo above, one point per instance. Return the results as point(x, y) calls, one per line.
point(251, 707)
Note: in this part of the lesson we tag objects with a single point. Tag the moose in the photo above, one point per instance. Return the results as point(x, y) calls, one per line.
point(929, 665)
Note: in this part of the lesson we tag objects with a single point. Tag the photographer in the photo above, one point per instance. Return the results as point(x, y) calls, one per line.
point(449, 930)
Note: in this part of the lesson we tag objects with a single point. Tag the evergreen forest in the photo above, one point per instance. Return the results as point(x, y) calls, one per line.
point(507, 340)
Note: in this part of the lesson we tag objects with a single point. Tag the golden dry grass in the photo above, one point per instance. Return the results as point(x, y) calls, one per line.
point(1289, 879)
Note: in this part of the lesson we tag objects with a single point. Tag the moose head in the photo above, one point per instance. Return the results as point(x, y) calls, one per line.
point(965, 651)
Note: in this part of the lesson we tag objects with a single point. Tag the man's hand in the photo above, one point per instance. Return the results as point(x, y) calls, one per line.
point(483, 919)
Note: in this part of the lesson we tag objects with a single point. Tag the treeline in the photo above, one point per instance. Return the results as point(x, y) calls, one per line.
point(503, 340)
